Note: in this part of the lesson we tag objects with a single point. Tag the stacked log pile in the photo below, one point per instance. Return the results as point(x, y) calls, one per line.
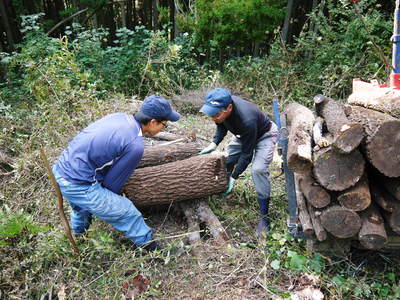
point(346, 160)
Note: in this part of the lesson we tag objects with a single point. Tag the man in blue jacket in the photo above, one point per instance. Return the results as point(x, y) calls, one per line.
point(253, 141)
point(92, 170)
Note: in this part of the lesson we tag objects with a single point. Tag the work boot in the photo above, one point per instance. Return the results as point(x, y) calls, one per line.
point(152, 246)
point(263, 224)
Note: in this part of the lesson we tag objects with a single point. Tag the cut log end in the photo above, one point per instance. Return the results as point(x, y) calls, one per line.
point(349, 137)
point(340, 222)
point(383, 149)
point(373, 241)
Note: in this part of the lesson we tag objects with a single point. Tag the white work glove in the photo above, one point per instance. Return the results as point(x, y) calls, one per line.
point(210, 148)
point(231, 183)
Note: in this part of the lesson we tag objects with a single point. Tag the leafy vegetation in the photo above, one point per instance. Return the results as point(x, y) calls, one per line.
point(54, 87)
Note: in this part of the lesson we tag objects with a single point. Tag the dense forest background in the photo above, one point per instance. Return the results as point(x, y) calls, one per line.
point(66, 63)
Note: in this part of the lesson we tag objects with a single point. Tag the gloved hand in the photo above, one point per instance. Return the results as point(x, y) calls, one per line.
point(231, 182)
point(210, 148)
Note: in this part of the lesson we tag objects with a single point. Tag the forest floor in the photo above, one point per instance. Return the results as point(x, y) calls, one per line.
point(42, 266)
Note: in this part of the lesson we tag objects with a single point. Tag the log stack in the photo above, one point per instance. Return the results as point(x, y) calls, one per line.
point(348, 176)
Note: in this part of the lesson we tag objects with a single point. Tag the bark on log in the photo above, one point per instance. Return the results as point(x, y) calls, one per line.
point(372, 234)
point(382, 144)
point(356, 198)
point(192, 221)
point(214, 225)
point(304, 216)
point(158, 155)
point(336, 171)
point(385, 100)
point(340, 222)
point(320, 232)
point(315, 194)
point(191, 178)
point(347, 135)
point(167, 136)
point(301, 120)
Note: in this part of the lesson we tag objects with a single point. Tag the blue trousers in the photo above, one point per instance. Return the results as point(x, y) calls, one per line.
point(93, 199)
point(262, 158)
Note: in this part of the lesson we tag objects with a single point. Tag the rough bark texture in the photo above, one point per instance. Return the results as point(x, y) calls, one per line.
point(301, 121)
point(158, 155)
point(372, 234)
point(340, 222)
point(191, 178)
point(315, 194)
point(304, 216)
point(336, 171)
point(347, 135)
point(356, 198)
point(385, 100)
point(383, 138)
point(320, 232)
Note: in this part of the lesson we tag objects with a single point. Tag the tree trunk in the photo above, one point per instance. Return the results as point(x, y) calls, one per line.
point(315, 194)
point(304, 216)
point(383, 139)
point(372, 234)
point(187, 179)
point(129, 14)
point(347, 135)
point(340, 222)
point(8, 18)
point(158, 155)
point(301, 121)
point(357, 197)
point(386, 100)
point(172, 19)
point(154, 4)
point(336, 171)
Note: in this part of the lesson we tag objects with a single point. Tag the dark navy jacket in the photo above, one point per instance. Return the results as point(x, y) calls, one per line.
point(248, 124)
point(106, 151)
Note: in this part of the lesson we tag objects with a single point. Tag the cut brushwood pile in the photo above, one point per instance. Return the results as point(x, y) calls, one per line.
point(346, 160)
point(172, 173)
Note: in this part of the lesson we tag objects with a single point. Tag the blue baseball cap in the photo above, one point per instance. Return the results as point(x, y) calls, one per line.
point(216, 100)
point(156, 107)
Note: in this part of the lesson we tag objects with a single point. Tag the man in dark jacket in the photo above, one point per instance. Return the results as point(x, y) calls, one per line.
point(254, 140)
point(92, 170)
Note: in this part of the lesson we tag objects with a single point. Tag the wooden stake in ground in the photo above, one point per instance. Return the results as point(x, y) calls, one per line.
point(347, 135)
point(191, 178)
point(64, 220)
point(382, 145)
point(301, 121)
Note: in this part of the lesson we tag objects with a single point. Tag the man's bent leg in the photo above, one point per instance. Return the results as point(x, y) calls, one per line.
point(120, 213)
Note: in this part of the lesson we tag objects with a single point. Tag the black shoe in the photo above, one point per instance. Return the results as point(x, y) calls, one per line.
point(153, 246)
point(262, 228)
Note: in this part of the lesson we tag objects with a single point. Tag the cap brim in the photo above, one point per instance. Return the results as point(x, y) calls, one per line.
point(210, 110)
point(173, 116)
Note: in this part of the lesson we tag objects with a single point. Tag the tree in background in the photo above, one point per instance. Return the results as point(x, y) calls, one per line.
point(241, 26)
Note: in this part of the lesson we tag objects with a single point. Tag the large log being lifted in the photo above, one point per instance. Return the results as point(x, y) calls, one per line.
point(340, 222)
point(301, 121)
point(382, 145)
point(347, 135)
point(336, 171)
point(192, 178)
point(162, 154)
point(386, 100)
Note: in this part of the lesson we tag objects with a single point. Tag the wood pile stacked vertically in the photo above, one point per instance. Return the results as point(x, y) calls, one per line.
point(346, 160)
